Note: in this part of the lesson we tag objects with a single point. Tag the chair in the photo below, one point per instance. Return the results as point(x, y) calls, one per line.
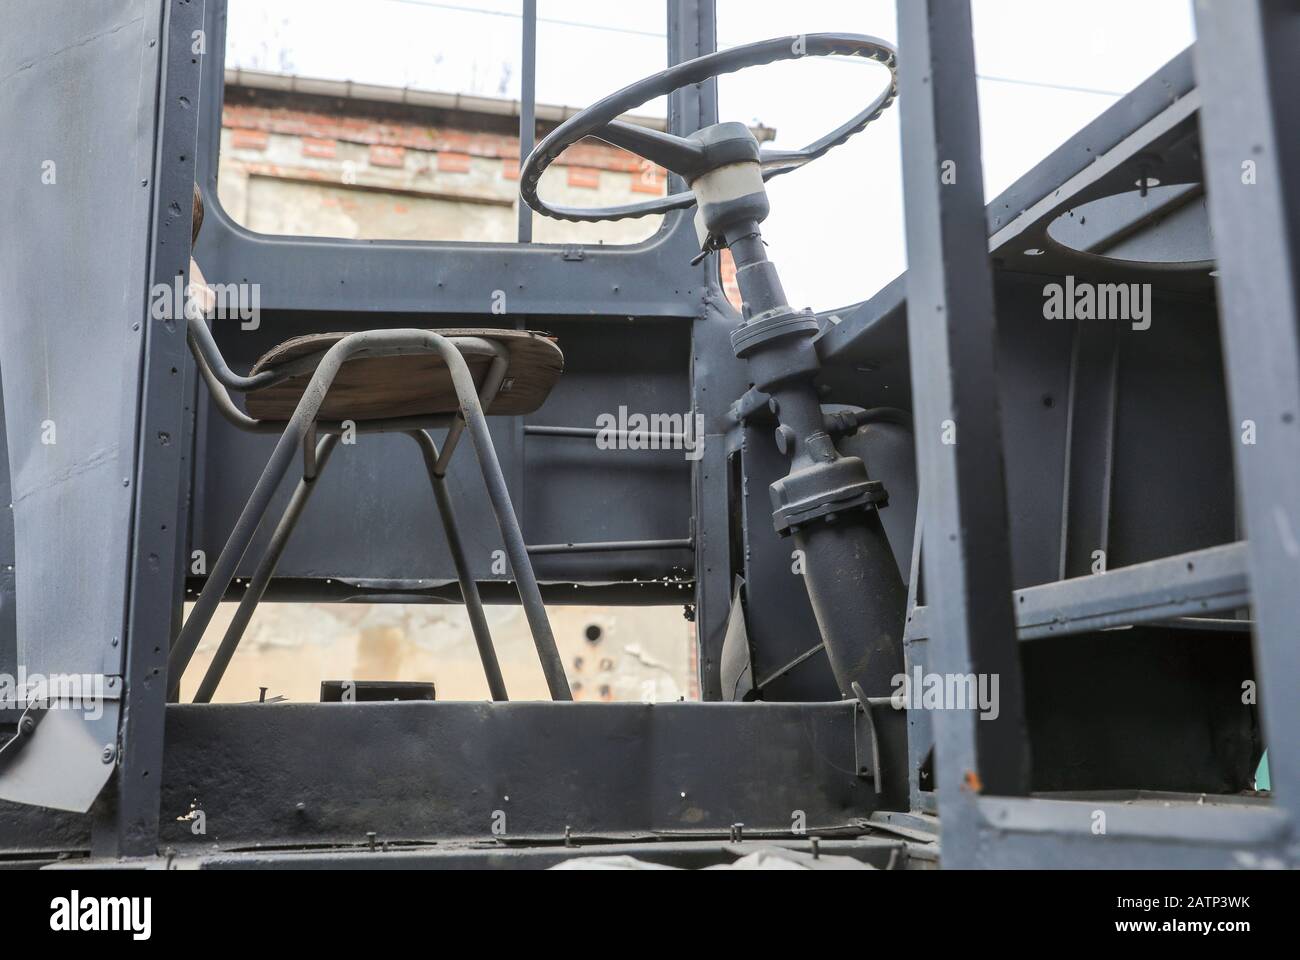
point(374, 381)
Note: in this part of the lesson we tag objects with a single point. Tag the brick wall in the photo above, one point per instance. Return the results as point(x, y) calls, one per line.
point(297, 171)
point(252, 125)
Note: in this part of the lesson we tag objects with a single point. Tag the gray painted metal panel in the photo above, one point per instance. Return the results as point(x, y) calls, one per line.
point(315, 773)
point(64, 762)
point(717, 379)
point(79, 81)
point(862, 334)
point(8, 620)
point(27, 830)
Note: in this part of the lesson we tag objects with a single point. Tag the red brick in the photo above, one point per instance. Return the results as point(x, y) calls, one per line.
point(249, 139)
point(584, 177)
point(649, 179)
point(727, 267)
point(593, 153)
point(252, 124)
point(382, 155)
point(453, 162)
point(510, 168)
point(313, 147)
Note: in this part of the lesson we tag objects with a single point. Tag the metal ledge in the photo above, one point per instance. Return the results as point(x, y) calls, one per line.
point(884, 853)
point(1187, 821)
point(1200, 582)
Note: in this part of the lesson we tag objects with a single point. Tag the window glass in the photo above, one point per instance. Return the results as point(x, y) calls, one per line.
point(398, 119)
point(645, 654)
point(1046, 70)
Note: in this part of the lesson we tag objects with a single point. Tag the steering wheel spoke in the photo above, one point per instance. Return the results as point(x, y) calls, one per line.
point(781, 161)
point(676, 154)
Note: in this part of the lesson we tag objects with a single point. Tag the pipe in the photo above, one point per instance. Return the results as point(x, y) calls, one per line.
point(610, 546)
point(667, 441)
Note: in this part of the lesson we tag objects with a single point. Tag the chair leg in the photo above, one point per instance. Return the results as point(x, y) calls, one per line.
point(265, 570)
point(516, 551)
point(468, 587)
point(259, 501)
point(223, 571)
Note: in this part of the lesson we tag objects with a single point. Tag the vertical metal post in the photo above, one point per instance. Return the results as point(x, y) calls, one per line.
point(527, 110)
point(951, 327)
point(692, 32)
point(126, 821)
point(1248, 75)
point(920, 728)
point(1089, 447)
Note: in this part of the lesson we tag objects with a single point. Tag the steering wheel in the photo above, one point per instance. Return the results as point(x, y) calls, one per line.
point(689, 157)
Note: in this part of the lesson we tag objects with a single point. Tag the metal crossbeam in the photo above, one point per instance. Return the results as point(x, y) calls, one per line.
point(1190, 584)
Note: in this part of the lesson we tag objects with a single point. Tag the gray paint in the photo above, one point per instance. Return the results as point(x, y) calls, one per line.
point(74, 299)
point(8, 618)
point(1151, 476)
point(1258, 232)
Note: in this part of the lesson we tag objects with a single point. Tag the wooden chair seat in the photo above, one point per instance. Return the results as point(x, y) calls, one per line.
point(377, 388)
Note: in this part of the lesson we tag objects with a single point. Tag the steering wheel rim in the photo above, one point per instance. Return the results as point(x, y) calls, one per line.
point(598, 117)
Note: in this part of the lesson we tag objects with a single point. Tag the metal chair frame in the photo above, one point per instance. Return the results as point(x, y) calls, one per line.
point(302, 430)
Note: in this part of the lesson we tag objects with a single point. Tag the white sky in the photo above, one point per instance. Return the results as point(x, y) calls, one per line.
point(1026, 51)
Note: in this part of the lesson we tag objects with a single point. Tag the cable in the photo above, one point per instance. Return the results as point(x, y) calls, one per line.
point(1050, 86)
point(458, 8)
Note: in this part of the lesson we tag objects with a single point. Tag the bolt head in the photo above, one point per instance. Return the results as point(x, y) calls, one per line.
point(785, 439)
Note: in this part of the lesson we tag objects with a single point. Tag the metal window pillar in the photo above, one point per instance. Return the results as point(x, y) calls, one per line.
point(1248, 73)
point(127, 814)
point(951, 325)
point(527, 109)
